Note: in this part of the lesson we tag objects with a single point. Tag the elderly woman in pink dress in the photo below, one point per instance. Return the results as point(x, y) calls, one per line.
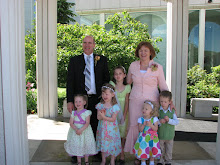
point(146, 76)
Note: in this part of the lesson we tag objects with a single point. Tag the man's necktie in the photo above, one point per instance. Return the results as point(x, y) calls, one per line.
point(87, 75)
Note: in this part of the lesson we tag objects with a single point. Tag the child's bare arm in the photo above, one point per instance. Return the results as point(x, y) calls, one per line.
point(79, 131)
point(153, 126)
point(141, 127)
point(111, 119)
point(72, 124)
point(99, 117)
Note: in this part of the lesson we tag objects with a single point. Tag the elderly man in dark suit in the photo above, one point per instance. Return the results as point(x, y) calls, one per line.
point(86, 75)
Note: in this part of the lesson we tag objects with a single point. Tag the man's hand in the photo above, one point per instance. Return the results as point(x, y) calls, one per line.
point(70, 107)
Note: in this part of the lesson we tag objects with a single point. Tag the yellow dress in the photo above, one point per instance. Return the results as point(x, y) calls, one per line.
point(121, 98)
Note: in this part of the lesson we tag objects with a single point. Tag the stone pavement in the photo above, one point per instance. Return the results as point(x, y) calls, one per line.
point(194, 142)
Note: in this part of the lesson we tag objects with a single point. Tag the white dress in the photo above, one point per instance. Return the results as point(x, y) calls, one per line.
point(84, 144)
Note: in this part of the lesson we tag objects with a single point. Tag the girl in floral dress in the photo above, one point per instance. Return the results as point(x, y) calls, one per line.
point(80, 140)
point(147, 145)
point(108, 139)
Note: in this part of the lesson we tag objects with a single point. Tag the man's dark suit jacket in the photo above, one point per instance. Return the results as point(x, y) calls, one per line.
point(76, 78)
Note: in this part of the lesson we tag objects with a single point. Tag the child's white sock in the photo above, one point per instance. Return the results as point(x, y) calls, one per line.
point(143, 162)
point(151, 163)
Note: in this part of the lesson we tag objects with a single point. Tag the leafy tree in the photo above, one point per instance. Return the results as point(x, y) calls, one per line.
point(118, 44)
point(64, 14)
point(30, 57)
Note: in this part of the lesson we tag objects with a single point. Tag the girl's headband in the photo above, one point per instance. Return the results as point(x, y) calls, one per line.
point(147, 102)
point(105, 87)
point(123, 69)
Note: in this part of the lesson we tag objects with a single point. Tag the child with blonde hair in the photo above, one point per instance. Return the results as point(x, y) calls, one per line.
point(147, 145)
point(108, 139)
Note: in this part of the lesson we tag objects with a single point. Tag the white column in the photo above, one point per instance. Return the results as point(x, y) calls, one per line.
point(13, 113)
point(46, 32)
point(201, 38)
point(102, 19)
point(177, 52)
point(218, 138)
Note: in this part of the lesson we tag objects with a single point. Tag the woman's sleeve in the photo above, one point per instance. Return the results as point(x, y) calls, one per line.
point(161, 79)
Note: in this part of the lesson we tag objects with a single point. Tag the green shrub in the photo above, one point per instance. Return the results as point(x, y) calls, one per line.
point(31, 98)
point(61, 96)
point(195, 74)
point(202, 85)
point(30, 57)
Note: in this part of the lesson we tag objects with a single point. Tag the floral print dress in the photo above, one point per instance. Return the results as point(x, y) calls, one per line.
point(108, 138)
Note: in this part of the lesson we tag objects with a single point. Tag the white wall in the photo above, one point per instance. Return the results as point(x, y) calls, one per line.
point(95, 6)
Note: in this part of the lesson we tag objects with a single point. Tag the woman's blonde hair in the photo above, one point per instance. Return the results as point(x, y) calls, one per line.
point(108, 86)
point(154, 111)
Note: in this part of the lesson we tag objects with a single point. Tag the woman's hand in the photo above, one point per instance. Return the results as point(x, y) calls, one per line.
point(173, 107)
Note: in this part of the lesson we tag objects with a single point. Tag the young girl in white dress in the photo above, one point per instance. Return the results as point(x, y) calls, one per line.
point(80, 140)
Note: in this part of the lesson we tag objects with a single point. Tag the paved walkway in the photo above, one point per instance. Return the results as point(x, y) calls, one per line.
point(194, 142)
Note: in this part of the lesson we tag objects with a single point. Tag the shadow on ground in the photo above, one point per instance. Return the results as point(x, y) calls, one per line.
point(195, 136)
point(53, 151)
